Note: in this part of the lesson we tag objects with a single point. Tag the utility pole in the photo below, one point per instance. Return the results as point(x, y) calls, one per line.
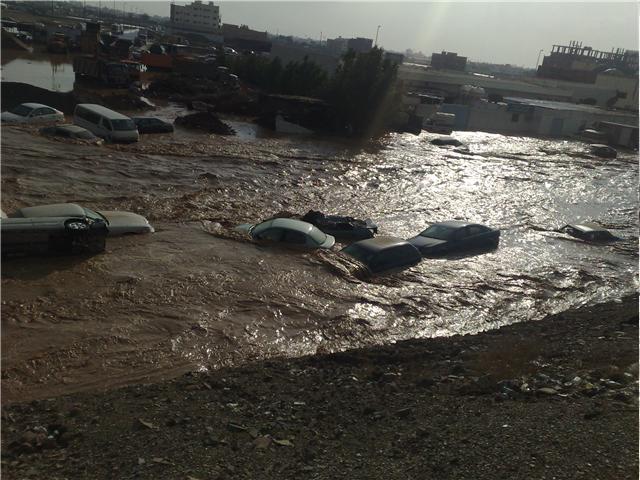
point(375, 44)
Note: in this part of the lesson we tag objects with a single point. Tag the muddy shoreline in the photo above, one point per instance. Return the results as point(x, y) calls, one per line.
point(556, 398)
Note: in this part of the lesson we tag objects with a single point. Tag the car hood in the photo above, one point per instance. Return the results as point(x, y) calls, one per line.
point(11, 117)
point(121, 223)
point(425, 242)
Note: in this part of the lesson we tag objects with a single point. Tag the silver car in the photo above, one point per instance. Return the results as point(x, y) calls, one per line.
point(32, 113)
point(289, 231)
point(118, 223)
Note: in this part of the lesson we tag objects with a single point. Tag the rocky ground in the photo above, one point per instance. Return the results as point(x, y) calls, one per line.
point(550, 399)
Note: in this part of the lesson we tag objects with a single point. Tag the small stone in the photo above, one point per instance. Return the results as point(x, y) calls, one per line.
point(262, 443)
point(234, 427)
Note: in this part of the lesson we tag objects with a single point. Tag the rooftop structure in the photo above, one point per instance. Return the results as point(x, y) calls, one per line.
point(448, 61)
point(578, 63)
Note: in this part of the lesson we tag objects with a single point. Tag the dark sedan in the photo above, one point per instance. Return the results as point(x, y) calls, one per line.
point(384, 254)
point(152, 125)
point(455, 236)
point(589, 232)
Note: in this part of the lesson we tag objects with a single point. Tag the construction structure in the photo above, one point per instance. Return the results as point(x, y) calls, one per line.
point(448, 61)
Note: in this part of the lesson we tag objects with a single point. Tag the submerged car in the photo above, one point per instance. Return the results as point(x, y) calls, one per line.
point(118, 223)
point(54, 234)
point(384, 254)
point(152, 125)
point(455, 236)
point(32, 113)
point(70, 131)
point(342, 227)
point(589, 232)
point(288, 231)
point(603, 151)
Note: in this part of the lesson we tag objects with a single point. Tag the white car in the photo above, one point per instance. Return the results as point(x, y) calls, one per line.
point(118, 223)
point(32, 113)
point(288, 231)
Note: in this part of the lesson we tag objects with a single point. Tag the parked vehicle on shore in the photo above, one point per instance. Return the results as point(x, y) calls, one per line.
point(455, 236)
point(70, 131)
point(110, 73)
point(589, 232)
point(342, 227)
point(53, 234)
point(384, 254)
point(152, 125)
point(440, 122)
point(105, 123)
point(288, 231)
point(32, 113)
point(117, 222)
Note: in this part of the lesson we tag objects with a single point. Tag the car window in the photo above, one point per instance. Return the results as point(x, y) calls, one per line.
point(64, 133)
point(475, 230)
point(48, 111)
point(460, 234)
point(439, 232)
point(123, 125)
point(106, 124)
point(21, 110)
point(272, 234)
point(291, 236)
point(39, 112)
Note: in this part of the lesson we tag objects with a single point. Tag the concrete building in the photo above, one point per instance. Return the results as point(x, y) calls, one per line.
point(448, 61)
point(360, 45)
point(337, 46)
point(394, 57)
point(244, 38)
point(521, 116)
point(195, 17)
point(576, 63)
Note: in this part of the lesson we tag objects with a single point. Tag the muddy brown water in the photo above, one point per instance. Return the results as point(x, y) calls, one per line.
point(196, 296)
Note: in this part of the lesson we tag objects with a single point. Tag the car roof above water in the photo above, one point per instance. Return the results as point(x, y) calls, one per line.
point(287, 223)
point(54, 210)
point(379, 244)
point(588, 227)
point(104, 111)
point(35, 105)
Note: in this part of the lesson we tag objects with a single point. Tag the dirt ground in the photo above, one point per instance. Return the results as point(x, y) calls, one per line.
point(553, 399)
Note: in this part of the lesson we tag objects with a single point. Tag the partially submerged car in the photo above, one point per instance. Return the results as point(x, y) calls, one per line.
point(152, 125)
point(54, 234)
point(70, 131)
point(32, 113)
point(342, 227)
point(589, 232)
point(384, 254)
point(603, 151)
point(289, 231)
point(455, 236)
point(117, 222)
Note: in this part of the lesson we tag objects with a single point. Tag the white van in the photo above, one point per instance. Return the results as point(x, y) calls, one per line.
point(105, 123)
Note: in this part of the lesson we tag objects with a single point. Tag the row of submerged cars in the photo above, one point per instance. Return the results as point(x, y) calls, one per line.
point(391, 254)
point(71, 228)
point(90, 122)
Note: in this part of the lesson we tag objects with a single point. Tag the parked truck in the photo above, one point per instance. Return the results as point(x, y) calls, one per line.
point(115, 74)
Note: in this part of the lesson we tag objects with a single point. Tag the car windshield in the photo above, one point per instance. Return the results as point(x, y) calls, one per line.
point(318, 236)
point(359, 253)
point(21, 110)
point(95, 215)
point(439, 232)
point(123, 124)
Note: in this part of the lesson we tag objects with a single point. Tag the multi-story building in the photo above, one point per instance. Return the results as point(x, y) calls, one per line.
point(448, 61)
point(359, 45)
point(195, 17)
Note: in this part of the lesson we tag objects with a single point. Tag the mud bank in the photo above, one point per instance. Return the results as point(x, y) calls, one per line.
point(550, 399)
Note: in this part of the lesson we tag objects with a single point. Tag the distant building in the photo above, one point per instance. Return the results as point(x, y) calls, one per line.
point(394, 57)
point(195, 17)
point(244, 38)
point(337, 46)
point(360, 45)
point(575, 63)
point(297, 53)
point(448, 61)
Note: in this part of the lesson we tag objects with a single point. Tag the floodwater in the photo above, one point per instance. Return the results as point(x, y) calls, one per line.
point(52, 72)
point(197, 296)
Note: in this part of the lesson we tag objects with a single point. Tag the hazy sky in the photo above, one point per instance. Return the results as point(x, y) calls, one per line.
point(497, 32)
